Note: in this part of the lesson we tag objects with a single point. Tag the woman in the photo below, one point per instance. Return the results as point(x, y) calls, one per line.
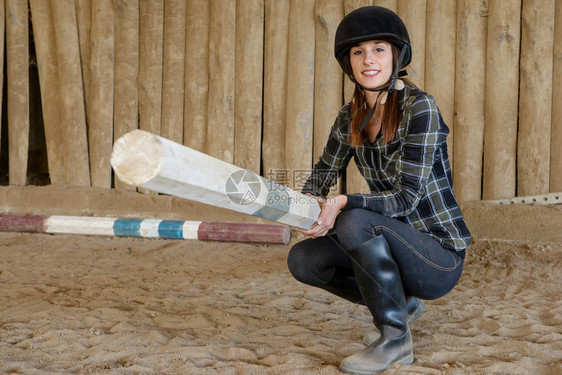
point(406, 240)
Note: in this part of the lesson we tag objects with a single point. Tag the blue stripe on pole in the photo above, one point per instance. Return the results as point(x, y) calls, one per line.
point(278, 202)
point(171, 229)
point(127, 227)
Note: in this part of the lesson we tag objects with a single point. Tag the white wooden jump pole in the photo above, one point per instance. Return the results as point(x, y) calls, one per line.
point(146, 160)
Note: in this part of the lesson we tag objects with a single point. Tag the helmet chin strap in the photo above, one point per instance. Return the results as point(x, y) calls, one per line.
point(389, 88)
point(396, 72)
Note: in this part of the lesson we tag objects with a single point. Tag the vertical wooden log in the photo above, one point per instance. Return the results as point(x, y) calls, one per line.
point(196, 74)
point(350, 5)
point(174, 64)
point(222, 39)
point(556, 132)
point(100, 125)
point(300, 90)
point(390, 4)
point(502, 93)
point(469, 98)
point(45, 49)
point(84, 20)
point(126, 96)
point(151, 39)
point(249, 84)
point(328, 82)
point(413, 13)
point(73, 115)
point(2, 35)
point(440, 61)
point(275, 89)
point(17, 52)
point(535, 100)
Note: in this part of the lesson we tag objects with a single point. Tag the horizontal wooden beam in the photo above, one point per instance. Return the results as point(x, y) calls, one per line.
point(545, 199)
point(146, 160)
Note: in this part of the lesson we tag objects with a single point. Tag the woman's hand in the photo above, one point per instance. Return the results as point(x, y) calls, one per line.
point(331, 207)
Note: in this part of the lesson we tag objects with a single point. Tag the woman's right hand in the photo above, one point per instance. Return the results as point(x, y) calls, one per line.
point(330, 208)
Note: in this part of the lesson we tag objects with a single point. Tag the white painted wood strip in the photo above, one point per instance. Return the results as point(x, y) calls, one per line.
point(149, 228)
point(79, 225)
point(190, 230)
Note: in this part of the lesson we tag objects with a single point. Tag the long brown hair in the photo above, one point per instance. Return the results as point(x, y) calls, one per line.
point(392, 115)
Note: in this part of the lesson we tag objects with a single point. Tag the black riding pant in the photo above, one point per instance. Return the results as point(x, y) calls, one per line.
point(427, 270)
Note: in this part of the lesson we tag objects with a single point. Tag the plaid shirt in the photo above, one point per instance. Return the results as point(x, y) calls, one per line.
point(409, 177)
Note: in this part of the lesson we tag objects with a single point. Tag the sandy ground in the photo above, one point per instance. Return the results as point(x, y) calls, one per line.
point(78, 304)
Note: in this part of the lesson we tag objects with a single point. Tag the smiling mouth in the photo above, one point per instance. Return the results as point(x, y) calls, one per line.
point(371, 73)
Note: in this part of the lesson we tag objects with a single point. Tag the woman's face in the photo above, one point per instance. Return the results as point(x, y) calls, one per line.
point(371, 62)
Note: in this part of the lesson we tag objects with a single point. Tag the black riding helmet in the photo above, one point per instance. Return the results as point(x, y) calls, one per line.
point(372, 23)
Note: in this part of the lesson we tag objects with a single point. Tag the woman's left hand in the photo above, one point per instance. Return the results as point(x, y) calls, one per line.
point(331, 207)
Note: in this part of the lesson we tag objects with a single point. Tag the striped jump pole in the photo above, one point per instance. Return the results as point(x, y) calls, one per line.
point(146, 160)
point(147, 228)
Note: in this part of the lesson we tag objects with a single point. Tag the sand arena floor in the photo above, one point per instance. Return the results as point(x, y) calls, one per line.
point(109, 305)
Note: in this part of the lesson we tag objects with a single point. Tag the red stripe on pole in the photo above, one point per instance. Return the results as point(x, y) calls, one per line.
point(22, 223)
point(244, 232)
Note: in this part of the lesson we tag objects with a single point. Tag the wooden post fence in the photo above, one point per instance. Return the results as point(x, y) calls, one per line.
point(255, 83)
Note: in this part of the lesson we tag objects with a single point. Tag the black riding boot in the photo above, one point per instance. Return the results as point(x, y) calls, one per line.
point(415, 307)
point(378, 278)
point(344, 285)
